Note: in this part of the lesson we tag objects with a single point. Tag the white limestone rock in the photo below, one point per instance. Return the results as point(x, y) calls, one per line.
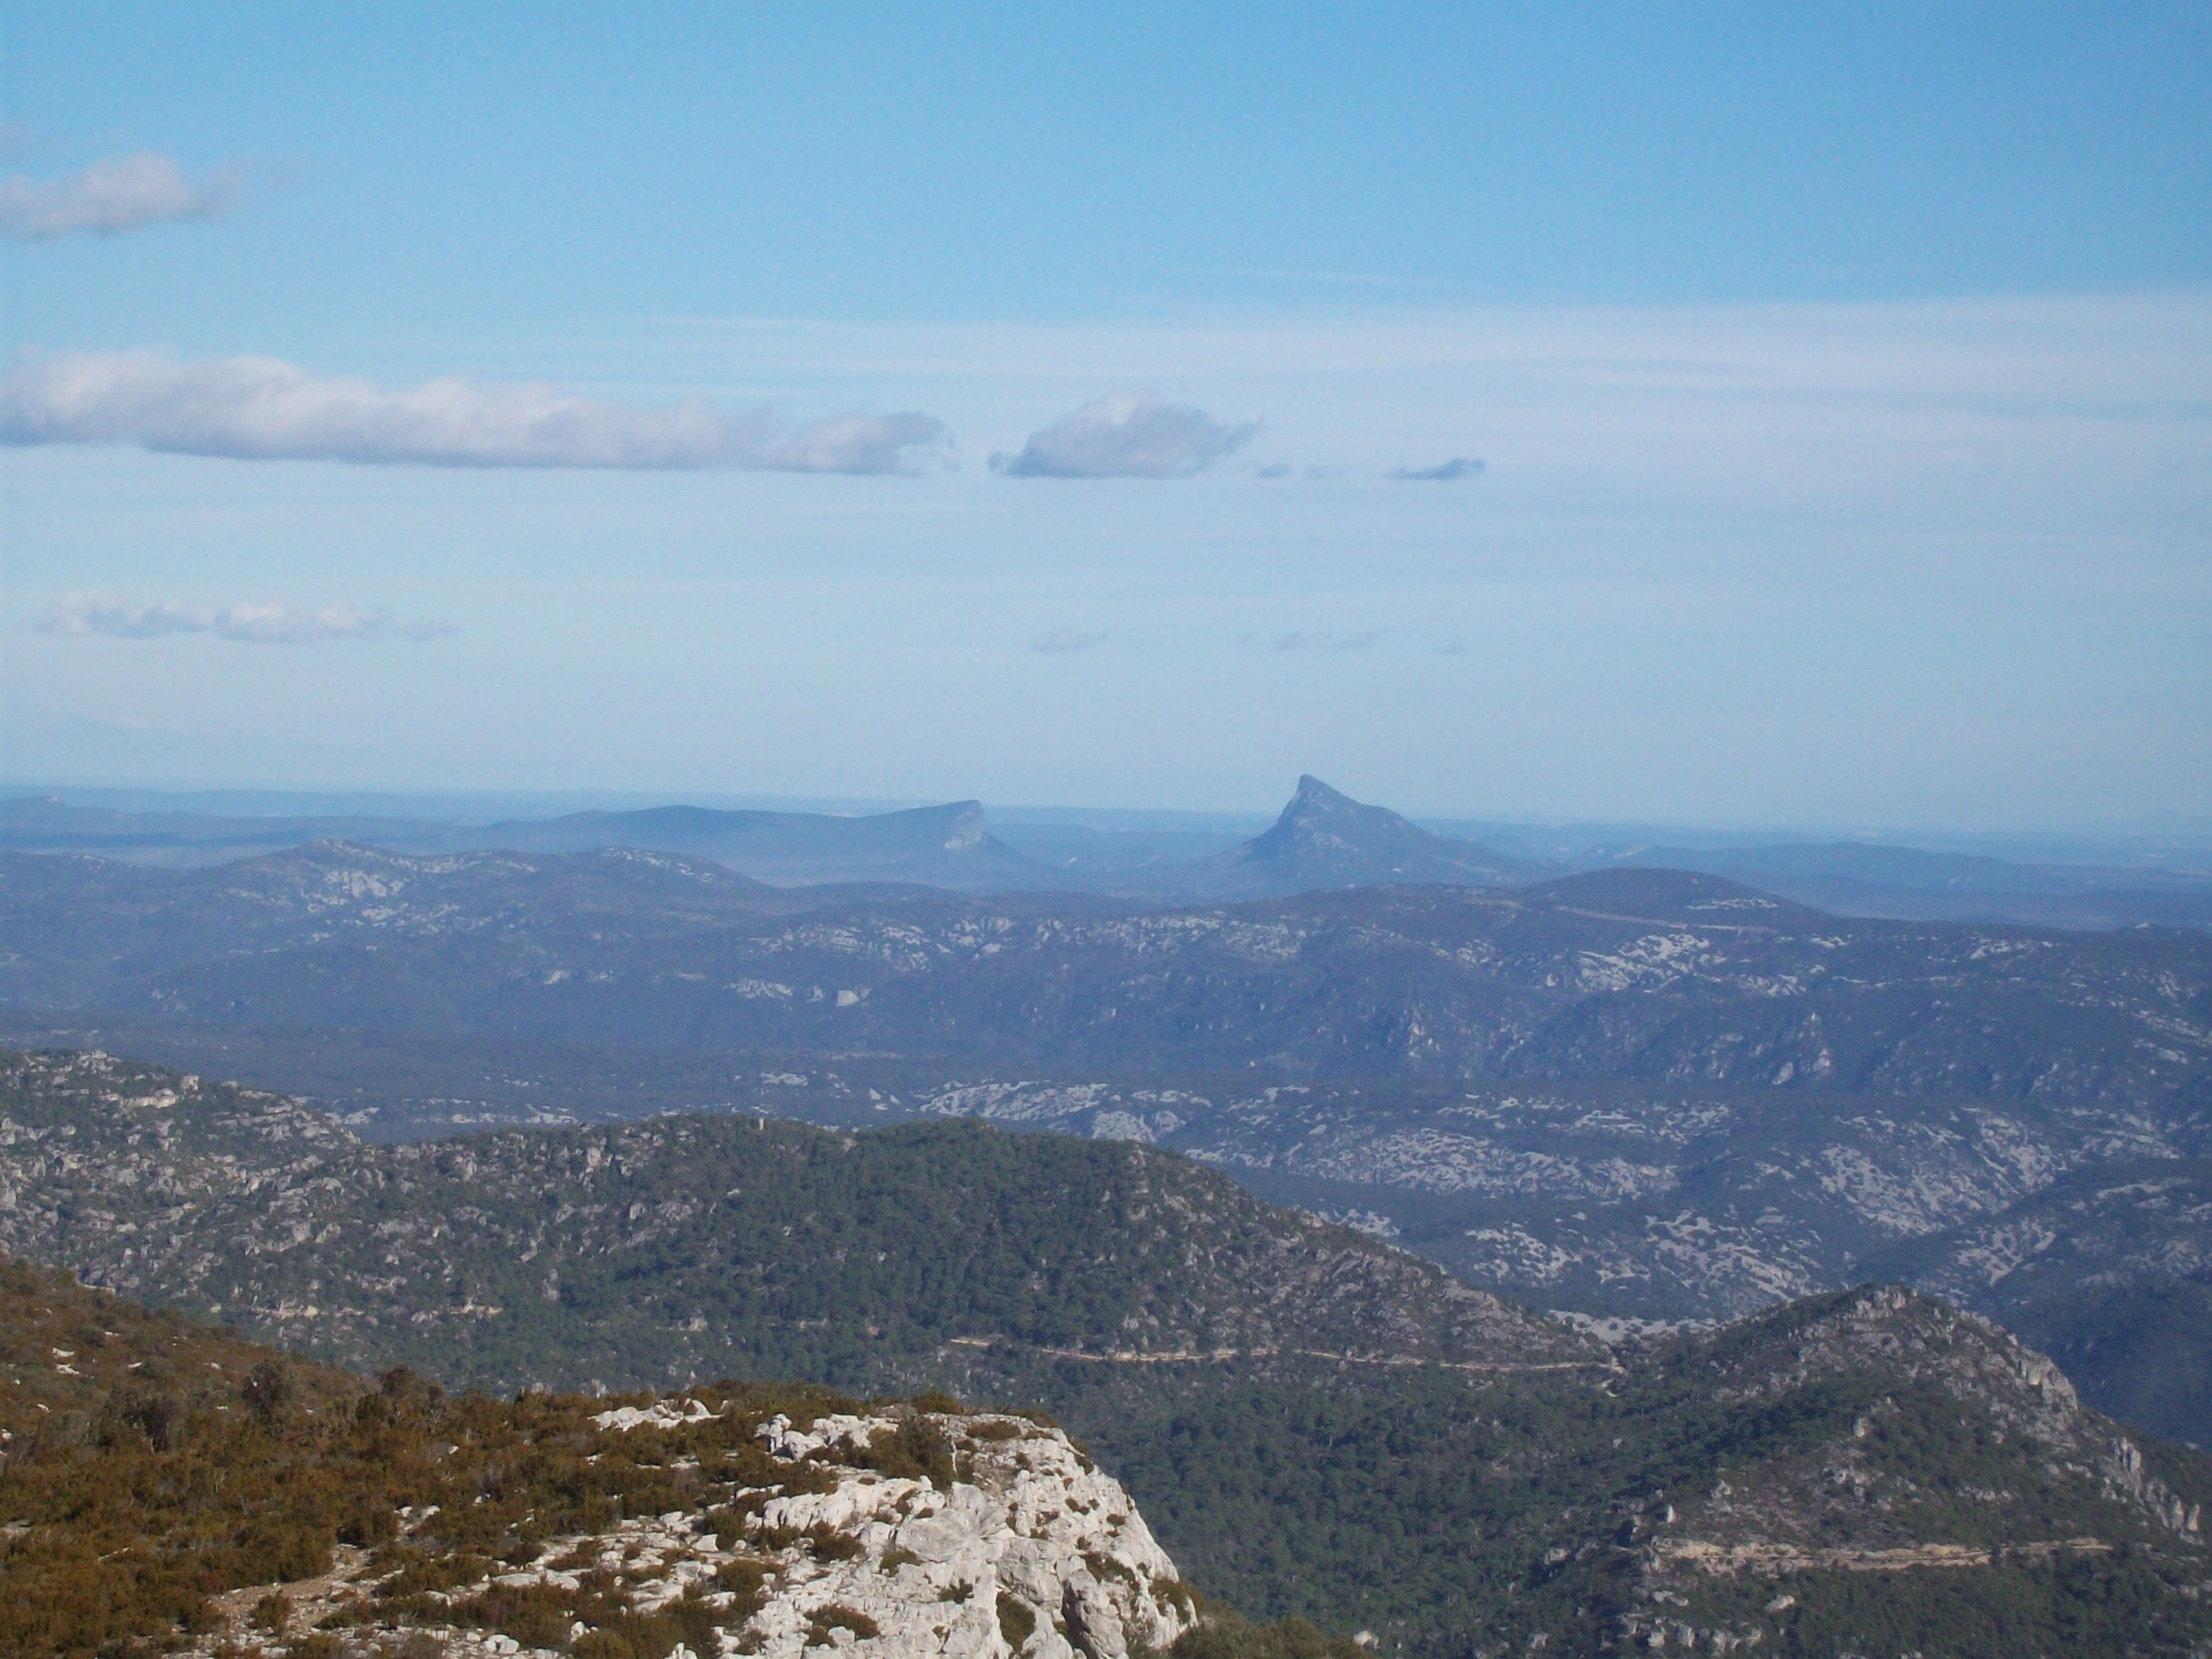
point(1029, 1541)
point(1032, 1527)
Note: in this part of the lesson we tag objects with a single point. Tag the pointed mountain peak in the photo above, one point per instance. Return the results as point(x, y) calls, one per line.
point(1315, 803)
point(1313, 794)
point(1324, 838)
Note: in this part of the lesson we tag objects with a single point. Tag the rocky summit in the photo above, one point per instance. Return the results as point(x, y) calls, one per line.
point(1029, 1537)
point(1325, 839)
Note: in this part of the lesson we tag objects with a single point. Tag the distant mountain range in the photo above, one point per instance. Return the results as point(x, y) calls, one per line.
point(1322, 841)
point(935, 846)
point(1641, 1094)
point(1638, 1093)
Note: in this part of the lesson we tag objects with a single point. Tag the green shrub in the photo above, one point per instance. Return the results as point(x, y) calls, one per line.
point(747, 1581)
point(268, 1390)
point(1017, 1623)
point(837, 1616)
point(916, 1450)
point(1179, 1594)
point(537, 1617)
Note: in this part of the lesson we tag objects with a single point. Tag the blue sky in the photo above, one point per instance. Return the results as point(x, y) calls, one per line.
point(927, 402)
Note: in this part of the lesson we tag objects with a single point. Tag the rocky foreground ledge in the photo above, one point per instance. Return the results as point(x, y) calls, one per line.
point(1014, 1544)
point(167, 1488)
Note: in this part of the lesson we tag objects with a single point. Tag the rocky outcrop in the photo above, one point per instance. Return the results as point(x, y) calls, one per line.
point(1027, 1550)
point(1032, 1551)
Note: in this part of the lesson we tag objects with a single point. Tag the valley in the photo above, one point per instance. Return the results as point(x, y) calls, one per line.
point(1310, 1422)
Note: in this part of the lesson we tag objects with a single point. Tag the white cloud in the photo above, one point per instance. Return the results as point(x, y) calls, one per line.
point(1064, 642)
point(262, 409)
point(1451, 472)
point(124, 192)
point(258, 623)
point(1298, 639)
point(1128, 435)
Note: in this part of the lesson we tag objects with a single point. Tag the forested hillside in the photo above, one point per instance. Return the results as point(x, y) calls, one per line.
point(696, 1247)
point(1313, 1423)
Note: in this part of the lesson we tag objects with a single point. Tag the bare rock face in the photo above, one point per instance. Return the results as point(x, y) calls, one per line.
point(1032, 1551)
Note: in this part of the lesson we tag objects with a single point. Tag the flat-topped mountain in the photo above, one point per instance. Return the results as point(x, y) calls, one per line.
point(1325, 840)
point(943, 847)
point(947, 846)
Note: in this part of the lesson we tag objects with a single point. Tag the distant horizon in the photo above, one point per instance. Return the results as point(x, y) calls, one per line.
point(275, 801)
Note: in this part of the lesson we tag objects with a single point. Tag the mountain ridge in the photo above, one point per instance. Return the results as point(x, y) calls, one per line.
point(1171, 1259)
point(962, 846)
point(946, 846)
point(1749, 1485)
point(1656, 974)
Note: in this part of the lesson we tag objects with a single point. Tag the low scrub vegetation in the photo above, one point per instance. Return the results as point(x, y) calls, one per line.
point(151, 1465)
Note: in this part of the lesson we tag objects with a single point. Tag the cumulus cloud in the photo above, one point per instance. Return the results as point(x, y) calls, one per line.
point(262, 409)
point(1128, 435)
point(124, 192)
point(259, 623)
point(1451, 472)
point(1064, 642)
